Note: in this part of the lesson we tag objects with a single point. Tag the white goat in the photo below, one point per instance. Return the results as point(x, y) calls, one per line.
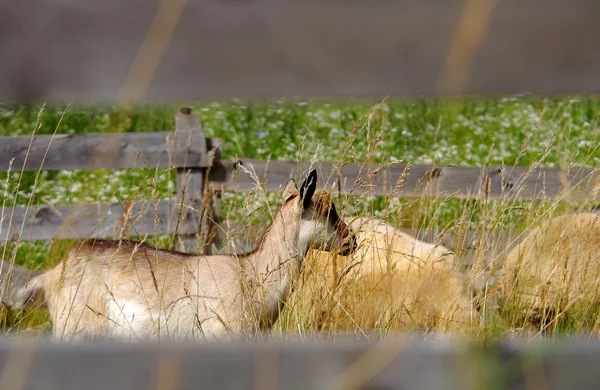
point(391, 281)
point(131, 290)
point(554, 271)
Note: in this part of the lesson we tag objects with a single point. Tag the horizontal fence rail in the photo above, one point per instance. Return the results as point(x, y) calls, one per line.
point(64, 50)
point(519, 183)
point(185, 149)
point(188, 149)
point(313, 364)
point(152, 218)
point(104, 151)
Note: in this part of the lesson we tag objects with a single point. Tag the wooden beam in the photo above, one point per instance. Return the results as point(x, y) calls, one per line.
point(103, 151)
point(214, 237)
point(94, 221)
point(310, 363)
point(190, 183)
point(64, 51)
point(519, 183)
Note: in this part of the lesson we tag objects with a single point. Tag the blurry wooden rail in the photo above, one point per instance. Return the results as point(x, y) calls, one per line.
point(298, 365)
point(64, 50)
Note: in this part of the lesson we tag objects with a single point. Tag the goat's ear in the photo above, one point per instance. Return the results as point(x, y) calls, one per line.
point(308, 187)
point(290, 190)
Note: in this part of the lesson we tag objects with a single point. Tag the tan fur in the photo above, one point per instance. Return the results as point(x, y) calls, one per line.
point(554, 269)
point(392, 281)
point(128, 290)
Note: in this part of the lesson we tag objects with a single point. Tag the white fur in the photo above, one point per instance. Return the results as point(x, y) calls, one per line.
point(128, 319)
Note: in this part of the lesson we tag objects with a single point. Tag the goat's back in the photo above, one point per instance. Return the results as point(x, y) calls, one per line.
point(127, 290)
point(555, 267)
point(393, 280)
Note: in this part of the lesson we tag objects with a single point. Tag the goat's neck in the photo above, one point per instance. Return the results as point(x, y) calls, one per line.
point(275, 263)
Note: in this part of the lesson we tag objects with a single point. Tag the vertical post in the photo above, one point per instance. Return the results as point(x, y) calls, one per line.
point(190, 183)
point(211, 219)
point(213, 237)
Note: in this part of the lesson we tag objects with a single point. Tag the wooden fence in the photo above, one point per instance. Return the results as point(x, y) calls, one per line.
point(186, 149)
point(200, 167)
point(202, 175)
point(194, 216)
point(165, 50)
point(174, 49)
point(168, 50)
point(311, 364)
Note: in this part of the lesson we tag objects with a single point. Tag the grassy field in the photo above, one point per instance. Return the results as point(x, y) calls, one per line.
point(518, 130)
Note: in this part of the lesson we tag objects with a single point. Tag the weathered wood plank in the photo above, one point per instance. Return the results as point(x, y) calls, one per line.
point(213, 221)
point(519, 183)
point(93, 221)
point(308, 364)
point(103, 151)
point(190, 183)
point(63, 50)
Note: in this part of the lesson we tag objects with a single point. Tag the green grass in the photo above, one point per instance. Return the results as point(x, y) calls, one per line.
point(511, 131)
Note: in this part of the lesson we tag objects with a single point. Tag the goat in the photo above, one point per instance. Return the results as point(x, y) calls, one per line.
point(392, 280)
point(130, 290)
point(553, 272)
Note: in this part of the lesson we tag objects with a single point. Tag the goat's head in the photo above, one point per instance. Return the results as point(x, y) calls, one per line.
point(320, 225)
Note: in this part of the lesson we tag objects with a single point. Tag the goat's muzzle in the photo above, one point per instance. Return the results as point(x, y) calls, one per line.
point(349, 246)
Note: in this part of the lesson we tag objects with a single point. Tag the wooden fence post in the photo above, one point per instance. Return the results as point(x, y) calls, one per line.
point(190, 184)
point(212, 238)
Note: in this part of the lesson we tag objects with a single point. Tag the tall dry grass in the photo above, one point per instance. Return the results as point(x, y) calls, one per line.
point(393, 283)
